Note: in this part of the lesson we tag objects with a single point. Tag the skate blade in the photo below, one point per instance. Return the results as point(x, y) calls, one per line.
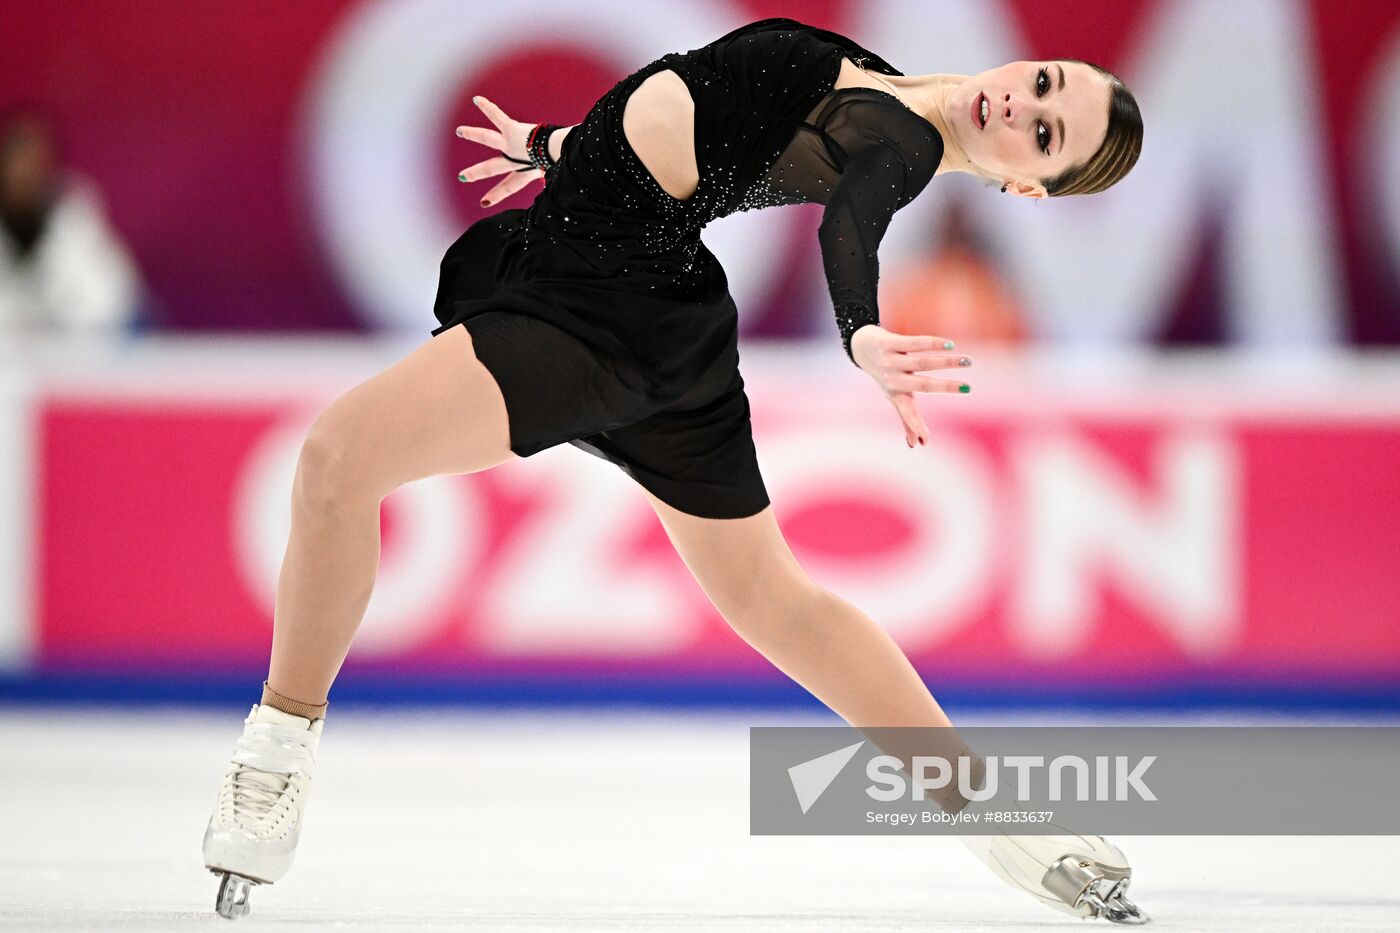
point(1114, 905)
point(1082, 882)
point(232, 900)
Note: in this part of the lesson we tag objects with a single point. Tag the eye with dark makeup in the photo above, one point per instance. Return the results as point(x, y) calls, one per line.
point(1042, 132)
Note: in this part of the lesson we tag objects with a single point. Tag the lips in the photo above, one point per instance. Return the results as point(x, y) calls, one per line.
point(977, 111)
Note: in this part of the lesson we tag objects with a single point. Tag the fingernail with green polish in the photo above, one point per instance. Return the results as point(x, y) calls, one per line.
point(462, 177)
point(964, 388)
point(947, 344)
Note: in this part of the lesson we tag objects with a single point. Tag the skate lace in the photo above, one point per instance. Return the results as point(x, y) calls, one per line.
point(254, 793)
point(264, 761)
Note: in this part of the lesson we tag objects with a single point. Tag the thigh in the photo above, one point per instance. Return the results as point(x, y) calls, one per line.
point(744, 565)
point(437, 410)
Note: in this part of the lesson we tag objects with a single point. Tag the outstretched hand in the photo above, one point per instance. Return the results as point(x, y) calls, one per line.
point(895, 362)
point(509, 137)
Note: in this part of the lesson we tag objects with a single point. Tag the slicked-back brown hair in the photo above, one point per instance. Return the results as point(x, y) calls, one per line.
point(1116, 155)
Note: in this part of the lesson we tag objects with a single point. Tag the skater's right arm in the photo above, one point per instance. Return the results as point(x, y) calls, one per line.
point(556, 141)
point(509, 138)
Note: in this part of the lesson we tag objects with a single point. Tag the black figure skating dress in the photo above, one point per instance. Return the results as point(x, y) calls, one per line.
point(604, 318)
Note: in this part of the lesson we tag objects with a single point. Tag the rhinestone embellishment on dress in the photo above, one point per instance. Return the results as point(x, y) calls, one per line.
point(748, 159)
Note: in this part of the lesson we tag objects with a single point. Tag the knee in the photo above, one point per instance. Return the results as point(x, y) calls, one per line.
point(330, 469)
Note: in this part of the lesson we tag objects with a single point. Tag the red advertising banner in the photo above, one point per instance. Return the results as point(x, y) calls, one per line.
point(1155, 534)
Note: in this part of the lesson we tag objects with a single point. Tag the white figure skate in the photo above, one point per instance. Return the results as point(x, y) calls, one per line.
point(1086, 876)
point(252, 835)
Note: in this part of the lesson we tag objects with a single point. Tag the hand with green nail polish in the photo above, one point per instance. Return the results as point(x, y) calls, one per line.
point(897, 361)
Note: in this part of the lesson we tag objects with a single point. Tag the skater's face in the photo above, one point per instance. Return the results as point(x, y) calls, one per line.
point(1029, 121)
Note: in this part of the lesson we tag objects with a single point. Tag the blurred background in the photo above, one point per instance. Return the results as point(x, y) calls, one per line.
point(1176, 484)
point(1173, 494)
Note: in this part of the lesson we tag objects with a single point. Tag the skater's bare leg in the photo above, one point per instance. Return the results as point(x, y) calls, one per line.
point(853, 666)
point(437, 411)
point(826, 644)
point(817, 638)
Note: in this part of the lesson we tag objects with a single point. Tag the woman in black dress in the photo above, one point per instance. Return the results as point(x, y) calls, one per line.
point(596, 316)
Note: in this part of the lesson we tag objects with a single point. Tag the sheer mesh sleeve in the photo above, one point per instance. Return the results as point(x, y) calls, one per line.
point(886, 173)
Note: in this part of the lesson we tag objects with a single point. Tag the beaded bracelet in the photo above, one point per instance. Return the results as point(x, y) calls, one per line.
point(537, 145)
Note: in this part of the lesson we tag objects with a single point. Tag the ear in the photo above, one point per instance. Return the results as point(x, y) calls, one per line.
point(1026, 191)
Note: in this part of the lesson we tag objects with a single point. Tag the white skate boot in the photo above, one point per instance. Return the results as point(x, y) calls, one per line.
point(1086, 876)
point(252, 836)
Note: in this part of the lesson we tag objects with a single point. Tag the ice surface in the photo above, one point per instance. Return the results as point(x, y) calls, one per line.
point(599, 821)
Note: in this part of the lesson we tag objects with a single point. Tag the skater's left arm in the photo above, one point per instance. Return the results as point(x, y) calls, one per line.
point(882, 174)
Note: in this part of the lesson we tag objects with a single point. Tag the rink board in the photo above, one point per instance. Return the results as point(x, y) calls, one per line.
point(1161, 531)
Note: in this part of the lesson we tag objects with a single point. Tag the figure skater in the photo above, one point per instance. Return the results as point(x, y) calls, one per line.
point(596, 316)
